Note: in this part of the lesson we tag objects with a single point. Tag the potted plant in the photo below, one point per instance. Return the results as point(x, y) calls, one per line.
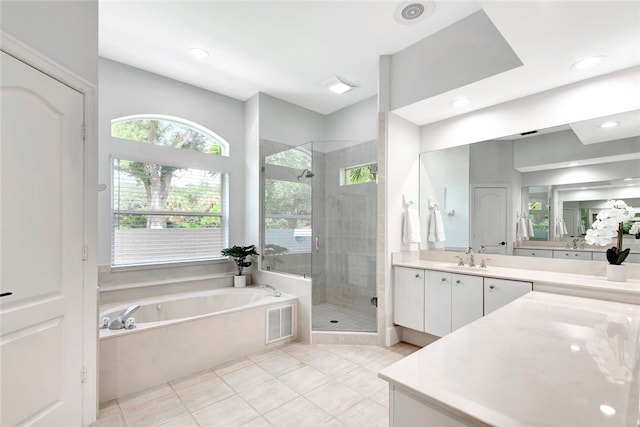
point(607, 226)
point(239, 255)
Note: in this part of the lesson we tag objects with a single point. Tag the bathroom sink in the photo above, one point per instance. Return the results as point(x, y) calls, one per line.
point(464, 268)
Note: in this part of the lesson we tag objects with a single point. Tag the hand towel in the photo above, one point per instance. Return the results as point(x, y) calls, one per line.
point(521, 229)
point(530, 228)
point(436, 227)
point(411, 227)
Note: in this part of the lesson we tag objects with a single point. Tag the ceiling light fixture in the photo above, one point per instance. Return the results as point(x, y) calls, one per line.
point(573, 164)
point(628, 179)
point(338, 85)
point(583, 64)
point(610, 124)
point(199, 53)
point(607, 410)
point(461, 102)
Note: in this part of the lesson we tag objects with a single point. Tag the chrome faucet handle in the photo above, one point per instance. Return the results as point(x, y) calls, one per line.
point(460, 261)
point(469, 250)
point(482, 249)
point(483, 262)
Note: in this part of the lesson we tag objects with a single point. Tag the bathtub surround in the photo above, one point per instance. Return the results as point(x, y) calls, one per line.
point(157, 352)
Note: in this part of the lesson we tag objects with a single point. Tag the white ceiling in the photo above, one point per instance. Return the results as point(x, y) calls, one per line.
point(287, 49)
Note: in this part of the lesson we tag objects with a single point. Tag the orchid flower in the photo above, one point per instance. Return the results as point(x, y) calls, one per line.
point(608, 225)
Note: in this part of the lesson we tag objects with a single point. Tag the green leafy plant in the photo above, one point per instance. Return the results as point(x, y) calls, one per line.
point(239, 255)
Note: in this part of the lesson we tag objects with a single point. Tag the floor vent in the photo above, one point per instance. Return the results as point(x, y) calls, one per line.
point(279, 323)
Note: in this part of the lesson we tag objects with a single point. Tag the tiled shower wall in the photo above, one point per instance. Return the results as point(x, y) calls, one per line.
point(350, 218)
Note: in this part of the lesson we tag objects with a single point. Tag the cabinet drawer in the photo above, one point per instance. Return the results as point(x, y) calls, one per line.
point(572, 255)
point(540, 253)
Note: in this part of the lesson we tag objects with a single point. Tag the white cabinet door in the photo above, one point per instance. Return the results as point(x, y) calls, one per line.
point(408, 298)
point(466, 299)
point(572, 255)
point(539, 253)
point(499, 292)
point(437, 303)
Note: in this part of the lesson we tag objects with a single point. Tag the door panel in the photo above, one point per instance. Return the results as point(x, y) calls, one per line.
point(490, 225)
point(41, 220)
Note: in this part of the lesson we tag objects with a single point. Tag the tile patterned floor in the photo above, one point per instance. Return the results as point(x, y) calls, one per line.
point(348, 320)
point(293, 385)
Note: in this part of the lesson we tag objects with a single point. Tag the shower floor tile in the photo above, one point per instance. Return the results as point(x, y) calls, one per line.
point(331, 317)
point(304, 395)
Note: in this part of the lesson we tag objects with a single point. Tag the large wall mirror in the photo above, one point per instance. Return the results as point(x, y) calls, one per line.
point(558, 179)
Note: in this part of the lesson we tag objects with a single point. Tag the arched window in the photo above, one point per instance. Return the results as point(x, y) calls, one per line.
point(165, 211)
point(169, 131)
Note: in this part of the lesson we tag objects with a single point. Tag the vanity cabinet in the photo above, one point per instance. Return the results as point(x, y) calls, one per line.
point(632, 257)
point(568, 254)
point(408, 297)
point(436, 302)
point(539, 253)
point(499, 292)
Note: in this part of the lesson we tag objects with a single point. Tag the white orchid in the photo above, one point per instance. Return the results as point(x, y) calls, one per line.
point(608, 225)
point(635, 228)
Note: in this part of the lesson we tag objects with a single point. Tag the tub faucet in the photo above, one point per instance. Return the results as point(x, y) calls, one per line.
point(469, 251)
point(276, 293)
point(120, 320)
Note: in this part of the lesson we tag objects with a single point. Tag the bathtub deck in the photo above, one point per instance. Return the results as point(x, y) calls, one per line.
point(317, 384)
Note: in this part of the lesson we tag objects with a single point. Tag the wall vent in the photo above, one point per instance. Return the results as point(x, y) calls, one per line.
point(279, 323)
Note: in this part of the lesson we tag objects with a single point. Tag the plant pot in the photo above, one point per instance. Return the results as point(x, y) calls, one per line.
point(240, 281)
point(617, 273)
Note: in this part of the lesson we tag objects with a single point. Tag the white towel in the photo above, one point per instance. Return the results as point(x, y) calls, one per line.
point(561, 227)
point(411, 226)
point(581, 228)
point(521, 229)
point(436, 227)
point(530, 224)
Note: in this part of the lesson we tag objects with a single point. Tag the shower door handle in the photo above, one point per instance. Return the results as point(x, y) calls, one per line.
point(317, 244)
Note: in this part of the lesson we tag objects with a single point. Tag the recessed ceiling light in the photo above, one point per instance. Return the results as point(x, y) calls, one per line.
point(610, 124)
point(575, 348)
point(461, 102)
point(627, 179)
point(573, 164)
point(338, 85)
point(587, 63)
point(199, 52)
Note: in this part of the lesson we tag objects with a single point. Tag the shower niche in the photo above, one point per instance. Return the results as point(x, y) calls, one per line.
point(319, 220)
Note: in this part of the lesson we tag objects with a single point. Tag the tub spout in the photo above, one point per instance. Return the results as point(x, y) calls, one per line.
point(121, 319)
point(276, 293)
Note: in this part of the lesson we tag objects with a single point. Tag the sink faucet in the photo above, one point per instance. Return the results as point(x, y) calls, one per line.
point(276, 293)
point(469, 251)
point(575, 243)
point(120, 320)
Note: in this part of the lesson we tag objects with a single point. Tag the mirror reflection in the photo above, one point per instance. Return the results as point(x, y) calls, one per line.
point(552, 183)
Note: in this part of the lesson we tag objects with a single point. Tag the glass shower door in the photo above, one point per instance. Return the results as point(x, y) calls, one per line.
point(287, 227)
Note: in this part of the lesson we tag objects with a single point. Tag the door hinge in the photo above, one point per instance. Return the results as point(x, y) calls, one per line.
point(84, 132)
point(374, 301)
point(85, 252)
point(83, 375)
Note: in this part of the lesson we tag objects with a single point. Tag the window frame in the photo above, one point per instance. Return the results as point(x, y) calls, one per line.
point(132, 150)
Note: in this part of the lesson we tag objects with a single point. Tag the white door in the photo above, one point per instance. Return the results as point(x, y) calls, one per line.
point(41, 211)
point(490, 222)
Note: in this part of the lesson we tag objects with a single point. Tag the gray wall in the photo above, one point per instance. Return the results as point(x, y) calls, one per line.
point(125, 91)
point(65, 31)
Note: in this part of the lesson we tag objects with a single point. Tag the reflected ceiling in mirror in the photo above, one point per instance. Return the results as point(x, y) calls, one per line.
point(576, 161)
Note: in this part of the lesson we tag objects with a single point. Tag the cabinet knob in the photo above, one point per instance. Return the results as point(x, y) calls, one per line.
point(491, 286)
point(457, 281)
point(444, 279)
point(417, 275)
point(533, 254)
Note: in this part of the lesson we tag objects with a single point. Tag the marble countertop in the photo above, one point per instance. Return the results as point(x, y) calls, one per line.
point(630, 288)
point(543, 359)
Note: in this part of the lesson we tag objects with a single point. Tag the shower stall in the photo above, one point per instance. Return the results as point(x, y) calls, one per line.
point(319, 219)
